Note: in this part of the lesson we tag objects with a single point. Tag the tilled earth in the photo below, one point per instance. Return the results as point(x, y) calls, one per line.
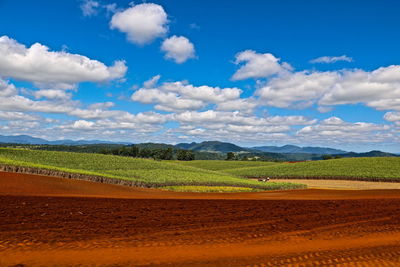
point(106, 231)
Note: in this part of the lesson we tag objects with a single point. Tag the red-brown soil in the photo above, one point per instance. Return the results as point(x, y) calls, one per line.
point(46, 221)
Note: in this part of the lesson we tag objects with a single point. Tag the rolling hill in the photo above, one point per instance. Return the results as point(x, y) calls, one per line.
point(213, 146)
point(122, 170)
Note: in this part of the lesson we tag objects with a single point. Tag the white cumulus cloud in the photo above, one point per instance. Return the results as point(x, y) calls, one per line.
point(300, 88)
point(178, 48)
point(47, 68)
point(255, 65)
point(181, 96)
point(392, 117)
point(142, 23)
point(52, 94)
point(7, 89)
point(379, 89)
point(336, 130)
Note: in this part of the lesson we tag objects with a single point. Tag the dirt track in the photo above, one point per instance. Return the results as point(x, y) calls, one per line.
point(125, 226)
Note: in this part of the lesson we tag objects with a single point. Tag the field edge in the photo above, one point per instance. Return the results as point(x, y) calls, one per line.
point(344, 178)
point(71, 175)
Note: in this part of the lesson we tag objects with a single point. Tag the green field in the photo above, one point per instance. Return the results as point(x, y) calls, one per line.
point(144, 171)
point(376, 169)
point(221, 165)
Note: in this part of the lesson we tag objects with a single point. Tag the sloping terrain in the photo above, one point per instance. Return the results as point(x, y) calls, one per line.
point(220, 165)
point(137, 172)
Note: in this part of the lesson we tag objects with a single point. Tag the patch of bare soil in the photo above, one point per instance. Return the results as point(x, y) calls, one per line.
point(274, 229)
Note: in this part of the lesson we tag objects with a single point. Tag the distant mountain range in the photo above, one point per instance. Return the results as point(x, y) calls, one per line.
point(212, 149)
point(222, 147)
point(296, 149)
point(373, 153)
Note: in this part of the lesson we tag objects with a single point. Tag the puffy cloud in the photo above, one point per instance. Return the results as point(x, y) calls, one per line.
point(119, 116)
point(178, 49)
point(300, 88)
point(52, 94)
point(46, 68)
point(180, 96)
point(165, 100)
point(379, 89)
point(82, 125)
point(101, 105)
point(257, 65)
point(7, 89)
point(17, 107)
point(152, 82)
point(89, 7)
point(329, 60)
point(23, 104)
point(246, 105)
point(203, 93)
point(392, 117)
point(96, 113)
point(210, 117)
point(142, 23)
point(335, 130)
point(114, 120)
point(10, 100)
point(9, 115)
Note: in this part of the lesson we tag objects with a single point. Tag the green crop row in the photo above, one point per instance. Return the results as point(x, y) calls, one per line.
point(220, 165)
point(148, 172)
point(383, 168)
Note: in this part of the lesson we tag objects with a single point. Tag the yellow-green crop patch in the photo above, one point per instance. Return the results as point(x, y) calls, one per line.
point(211, 189)
point(144, 171)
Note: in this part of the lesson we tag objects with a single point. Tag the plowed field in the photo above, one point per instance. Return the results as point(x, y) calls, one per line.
point(46, 221)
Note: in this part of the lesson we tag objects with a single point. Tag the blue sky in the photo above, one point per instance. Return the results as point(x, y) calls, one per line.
point(323, 73)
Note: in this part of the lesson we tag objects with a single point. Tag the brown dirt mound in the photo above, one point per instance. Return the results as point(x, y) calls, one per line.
point(274, 229)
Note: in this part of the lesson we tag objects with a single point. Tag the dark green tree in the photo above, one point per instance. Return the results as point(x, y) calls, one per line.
point(134, 151)
point(145, 153)
point(230, 156)
point(185, 155)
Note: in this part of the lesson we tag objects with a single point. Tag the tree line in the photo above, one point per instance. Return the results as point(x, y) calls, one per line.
point(157, 154)
point(114, 149)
